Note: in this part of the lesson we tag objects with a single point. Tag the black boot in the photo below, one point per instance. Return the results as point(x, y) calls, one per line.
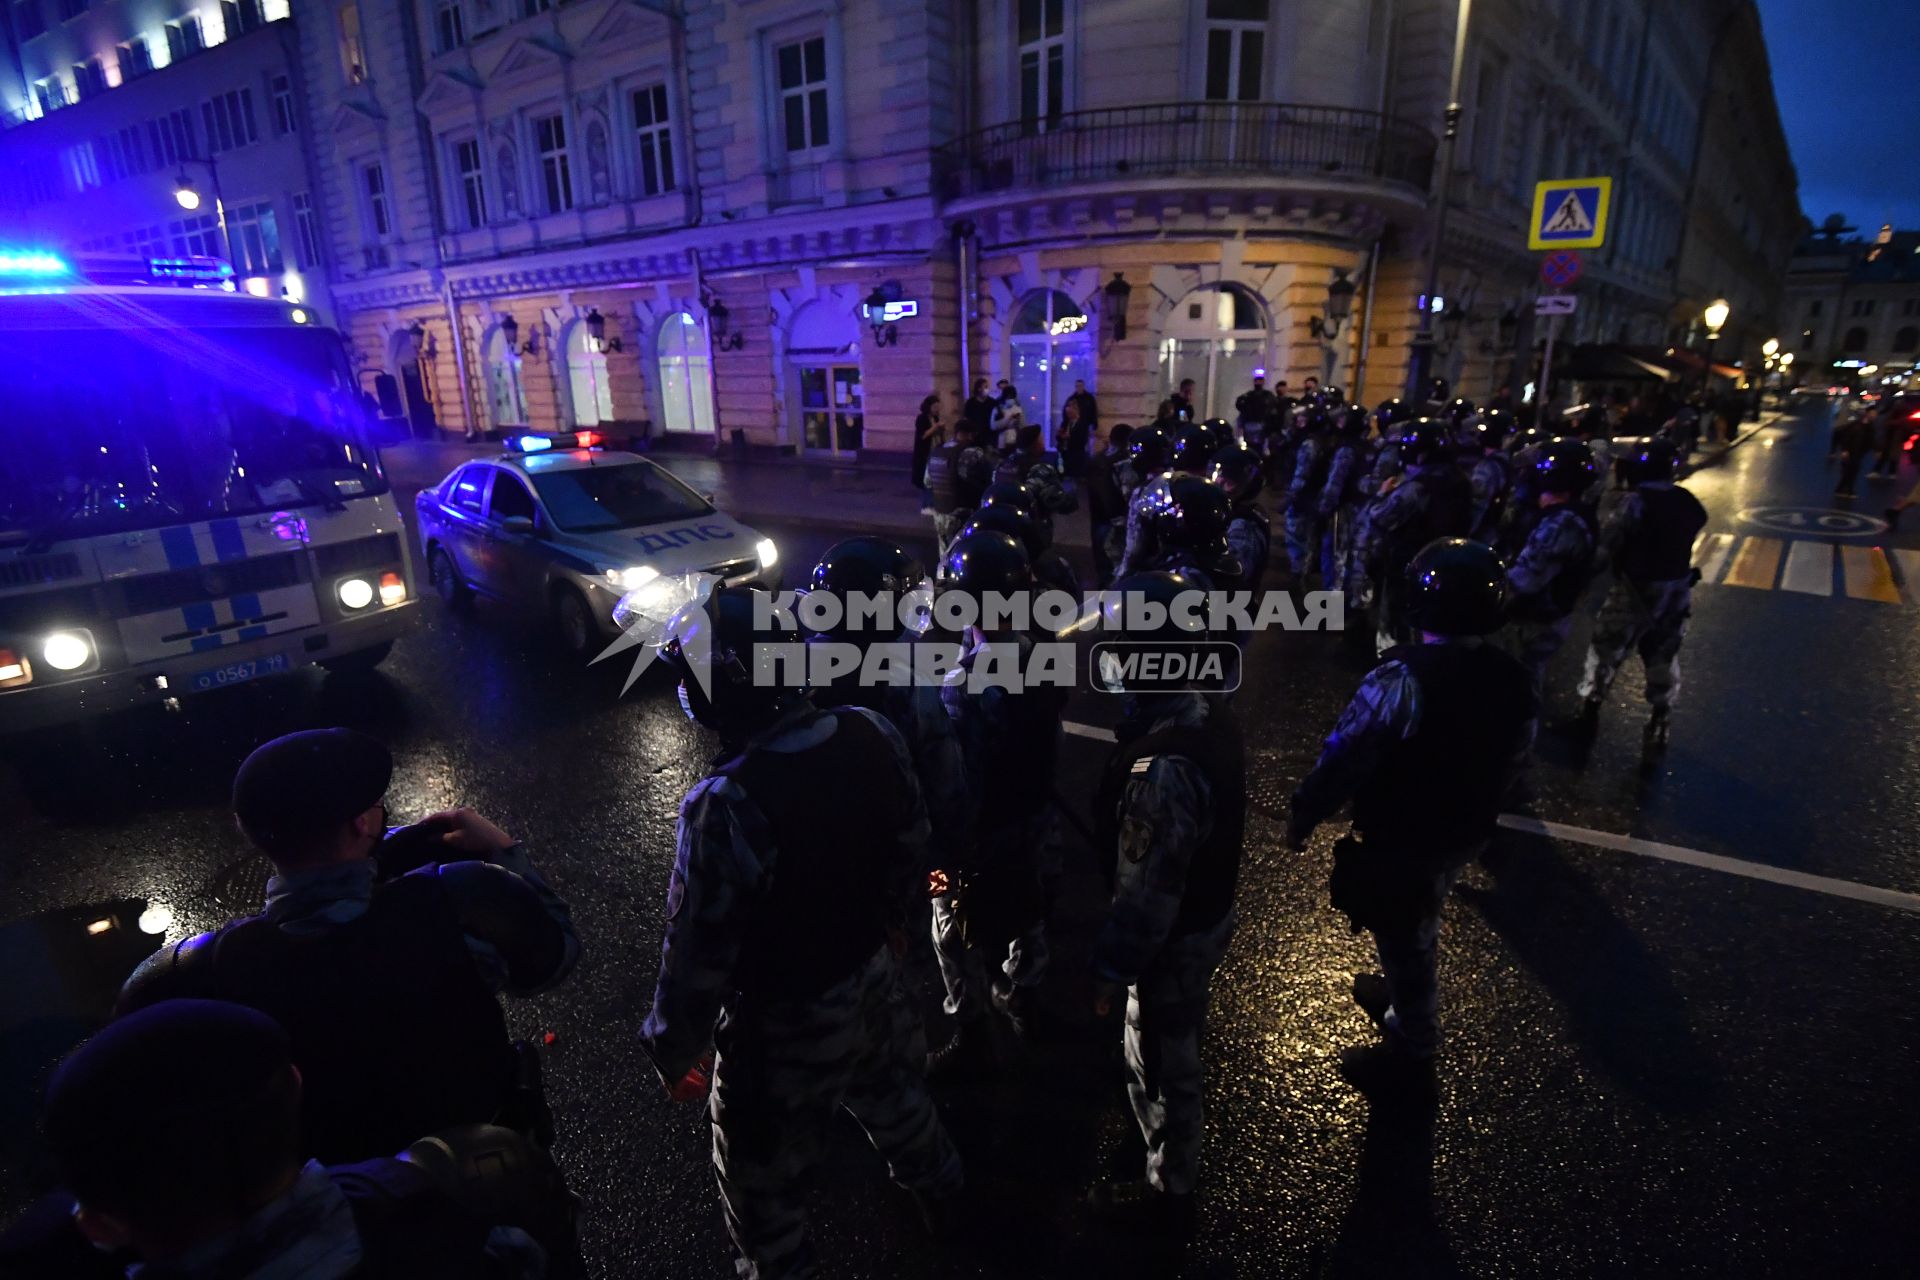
point(1141, 1206)
point(967, 1053)
point(1659, 726)
point(1370, 992)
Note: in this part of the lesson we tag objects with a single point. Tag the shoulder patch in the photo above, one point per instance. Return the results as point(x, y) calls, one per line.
point(1143, 764)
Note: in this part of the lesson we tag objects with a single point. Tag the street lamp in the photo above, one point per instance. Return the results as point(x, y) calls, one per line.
point(1716, 316)
point(188, 197)
point(1339, 307)
point(1117, 292)
point(1420, 365)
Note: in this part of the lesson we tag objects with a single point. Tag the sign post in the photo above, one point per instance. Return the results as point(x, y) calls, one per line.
point(1553, 306)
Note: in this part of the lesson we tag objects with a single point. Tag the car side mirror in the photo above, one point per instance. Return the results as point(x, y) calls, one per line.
point(517, 524)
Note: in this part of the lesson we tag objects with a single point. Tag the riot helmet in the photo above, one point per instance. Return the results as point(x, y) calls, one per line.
point(866, 566)
point(1148, 447)
point(1456, 587)
point(1653, 461)
point(1422, 441)
point(1494, 427)
point(710, 645)
point(1565, 466)
point(1237, 470)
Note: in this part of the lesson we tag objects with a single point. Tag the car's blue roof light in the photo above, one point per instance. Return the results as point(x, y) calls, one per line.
point(211, 270)
point(31, 264)
point(555, 440)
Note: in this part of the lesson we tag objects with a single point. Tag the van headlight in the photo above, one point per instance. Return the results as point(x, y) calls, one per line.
point(354, 593)
point(768, 553)
point(67, 650)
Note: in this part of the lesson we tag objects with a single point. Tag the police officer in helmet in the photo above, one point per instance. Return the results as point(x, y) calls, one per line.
point(785, 924)
point(1051, 570)
point(382, 957)
point(1489, 471)
point(1648, 540)
point(1171, 813)
point(1430, 500)
point(1556, 560)
point(991, 908)
point(1236, 470)
point(1425, 752)
point(1193, 448)
point(1189, 518)
point(1312, 459)
point(882, 573)
point(957, 473)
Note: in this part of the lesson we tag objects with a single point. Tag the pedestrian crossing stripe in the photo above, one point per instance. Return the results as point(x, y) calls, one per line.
point(1882, 575)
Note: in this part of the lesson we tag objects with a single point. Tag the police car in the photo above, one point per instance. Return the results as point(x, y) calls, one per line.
point(561, 525)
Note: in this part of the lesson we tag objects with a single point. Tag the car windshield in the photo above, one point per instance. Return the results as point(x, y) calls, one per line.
point(118, 429)
point(618, 496)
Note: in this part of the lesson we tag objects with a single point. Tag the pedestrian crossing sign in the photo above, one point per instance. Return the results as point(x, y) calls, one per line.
point(1570, 213)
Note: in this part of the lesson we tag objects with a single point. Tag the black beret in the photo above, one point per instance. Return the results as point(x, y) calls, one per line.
point(303, 784)
point(146, 1073)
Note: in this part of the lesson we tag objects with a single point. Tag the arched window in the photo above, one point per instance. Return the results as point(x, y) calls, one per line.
point(1217, 335)
point(1052, 342)
point(506, 397)
point(686, 389)
point(823, 387)
point(1906, 340)
point(591, 396)
point(1855, 341)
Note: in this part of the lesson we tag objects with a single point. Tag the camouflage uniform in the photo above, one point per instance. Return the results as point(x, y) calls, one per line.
point(1303, 503)
point(1142, 547)
point(1113, 534)
point(1386, 709)
point(1166, 814)
point(1650, 615)
point(984, 725)
point(1386, 522)
point(784, 1068)
point(1338, 511)
point(1491, 481)
point(972, 472)
point(1555, 562)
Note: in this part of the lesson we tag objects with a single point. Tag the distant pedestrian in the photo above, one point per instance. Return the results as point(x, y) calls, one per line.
point(979, 407)
point(1854, 440)
point(928, 433)
point(1108, 484)
point(1071, 440)
point(1888, 438)
point(1008, 417)
point(1089, 407)
point(1181, 401)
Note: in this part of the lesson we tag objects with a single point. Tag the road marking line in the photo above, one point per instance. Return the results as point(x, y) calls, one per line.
point(1809, 569)
point(1093, 731)
point(1718, 546)
point(1909, 561)
point(1868, 577)
point(1757, 564)
point(1895, 898)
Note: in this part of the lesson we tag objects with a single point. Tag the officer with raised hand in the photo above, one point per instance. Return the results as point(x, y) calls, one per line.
point(1555, 563)
point(383, 962)
point(785, 924)
point(1236, 470)
point(1430, 500)
point(993, 910)
point(1425, 751)
point(1648, 541)
point(1489, 472)
point(1171, 811)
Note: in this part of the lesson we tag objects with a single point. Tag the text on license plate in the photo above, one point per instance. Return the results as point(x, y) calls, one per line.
point(239, 672)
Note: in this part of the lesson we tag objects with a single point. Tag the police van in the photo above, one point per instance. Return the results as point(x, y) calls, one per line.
point(190, 494)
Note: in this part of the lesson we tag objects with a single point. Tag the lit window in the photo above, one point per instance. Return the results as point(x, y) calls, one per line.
point(184, 37)
point(256, 239)
point(135, 61)
point(353, 58)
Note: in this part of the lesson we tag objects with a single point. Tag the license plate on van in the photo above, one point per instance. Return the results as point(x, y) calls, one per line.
point(238, 672)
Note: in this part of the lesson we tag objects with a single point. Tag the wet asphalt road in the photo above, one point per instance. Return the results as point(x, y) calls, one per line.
point(1651, 1068)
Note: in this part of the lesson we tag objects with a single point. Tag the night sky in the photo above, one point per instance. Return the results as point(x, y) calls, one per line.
point(1848, 79)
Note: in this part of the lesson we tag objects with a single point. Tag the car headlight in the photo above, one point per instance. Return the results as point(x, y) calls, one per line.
point(354, 593)
point(629, 579)
point(768, 553)
point(67, 650)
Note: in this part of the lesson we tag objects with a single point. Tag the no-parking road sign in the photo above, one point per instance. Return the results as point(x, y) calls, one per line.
point(1560, 268)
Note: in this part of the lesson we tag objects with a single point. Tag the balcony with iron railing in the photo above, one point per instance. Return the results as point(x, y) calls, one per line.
point(1194, 140)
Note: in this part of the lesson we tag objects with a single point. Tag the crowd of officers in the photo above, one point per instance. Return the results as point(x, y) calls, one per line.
point(329, 1087)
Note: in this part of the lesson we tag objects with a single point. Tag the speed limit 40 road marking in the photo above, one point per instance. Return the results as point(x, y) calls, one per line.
point(1820, 522)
